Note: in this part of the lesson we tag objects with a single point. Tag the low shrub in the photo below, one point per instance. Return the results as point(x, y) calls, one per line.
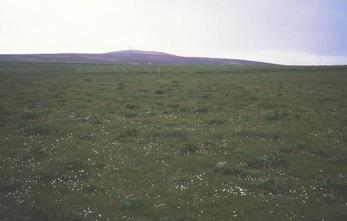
point(266, 160)
point(271, 185)
point(129, 202)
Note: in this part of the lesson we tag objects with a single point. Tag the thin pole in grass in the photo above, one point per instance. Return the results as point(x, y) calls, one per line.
point(158, 70)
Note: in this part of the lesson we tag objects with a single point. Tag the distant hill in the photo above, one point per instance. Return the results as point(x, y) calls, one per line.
point(120, 57)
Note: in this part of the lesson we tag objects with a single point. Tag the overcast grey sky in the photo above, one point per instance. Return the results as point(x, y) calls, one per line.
point(280, 31)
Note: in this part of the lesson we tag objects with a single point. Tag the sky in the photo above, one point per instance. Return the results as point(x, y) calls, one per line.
point(303, 32)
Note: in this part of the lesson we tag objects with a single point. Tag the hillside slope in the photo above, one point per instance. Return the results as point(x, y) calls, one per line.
point(120, 57)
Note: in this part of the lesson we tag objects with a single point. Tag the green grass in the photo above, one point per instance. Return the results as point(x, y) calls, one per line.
point(198, 142)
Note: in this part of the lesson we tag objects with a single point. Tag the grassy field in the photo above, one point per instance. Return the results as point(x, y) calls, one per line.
point(118, 142)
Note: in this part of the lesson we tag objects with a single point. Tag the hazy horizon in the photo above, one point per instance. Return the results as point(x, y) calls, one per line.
point(284, 32)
